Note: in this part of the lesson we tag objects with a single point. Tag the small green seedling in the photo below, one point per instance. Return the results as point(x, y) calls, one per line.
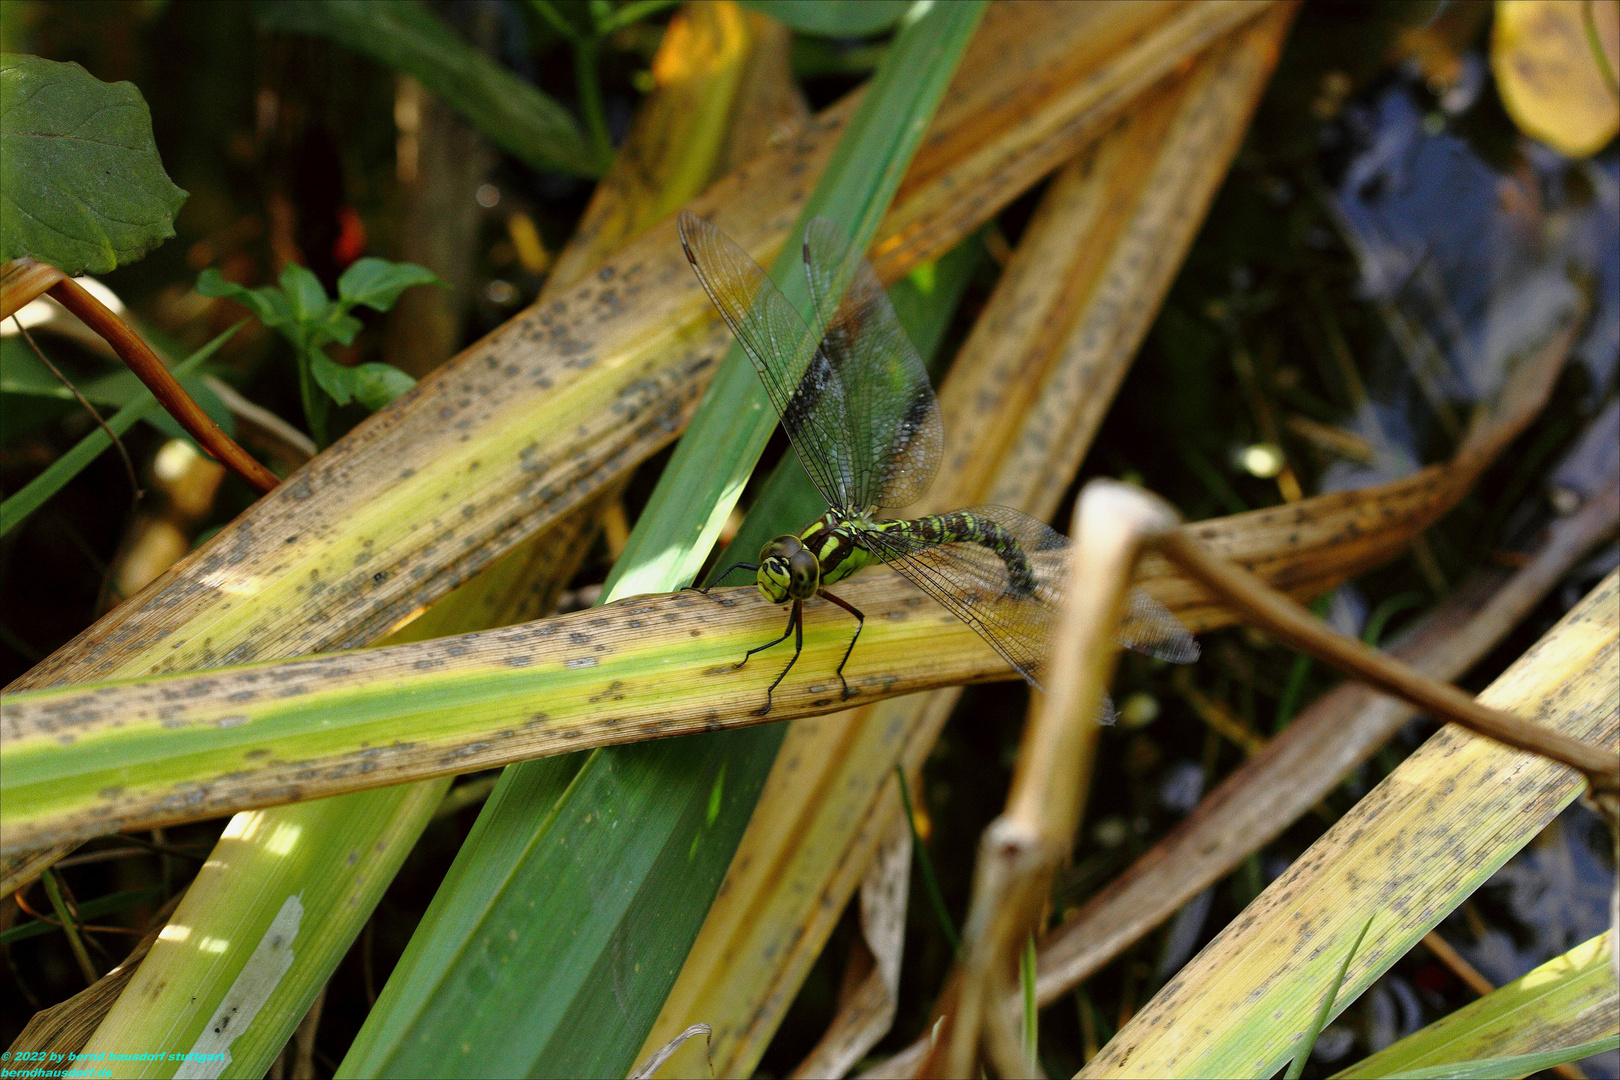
point(299, 309)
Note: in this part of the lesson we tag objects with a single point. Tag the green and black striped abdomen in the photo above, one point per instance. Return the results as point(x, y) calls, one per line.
point(965, 527)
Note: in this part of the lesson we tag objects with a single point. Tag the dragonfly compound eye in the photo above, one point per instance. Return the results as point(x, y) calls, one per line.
point(805, 572)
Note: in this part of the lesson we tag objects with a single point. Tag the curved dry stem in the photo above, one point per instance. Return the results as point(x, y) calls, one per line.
point(1290, 623)
point(1290, 773)
point(164, 386)
point(22, 281)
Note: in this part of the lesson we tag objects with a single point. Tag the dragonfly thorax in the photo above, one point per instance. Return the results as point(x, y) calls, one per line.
point(788, 570)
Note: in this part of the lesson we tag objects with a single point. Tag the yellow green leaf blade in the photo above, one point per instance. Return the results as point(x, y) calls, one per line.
point(1416, 846)
point(87, 760)
point(1510, 1068)
point(234, 961)
point(1567, 1001)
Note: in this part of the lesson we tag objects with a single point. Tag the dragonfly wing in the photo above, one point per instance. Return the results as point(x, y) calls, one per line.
point(885, 414)
point(798, 378)
point(1148, 627)
point(972, 582)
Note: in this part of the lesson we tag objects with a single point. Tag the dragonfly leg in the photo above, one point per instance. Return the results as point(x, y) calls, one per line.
point(793, 620)
point(795, 624)
point(860, 624)
point(719, 578)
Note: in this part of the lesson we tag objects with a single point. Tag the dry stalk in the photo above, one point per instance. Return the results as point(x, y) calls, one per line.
point(1292, 624)
point(1290, 773)
point(1114, 523)
point(1023, 847)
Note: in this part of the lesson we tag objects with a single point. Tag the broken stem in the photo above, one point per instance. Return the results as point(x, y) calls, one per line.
point(1022, 848)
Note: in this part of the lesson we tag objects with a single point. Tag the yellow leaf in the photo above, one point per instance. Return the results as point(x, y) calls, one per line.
point(1545, 54)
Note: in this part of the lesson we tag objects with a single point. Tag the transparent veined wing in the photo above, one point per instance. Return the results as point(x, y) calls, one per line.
point(783, 349)
point(1148, 627)
point(886, 408)
point(973, 583)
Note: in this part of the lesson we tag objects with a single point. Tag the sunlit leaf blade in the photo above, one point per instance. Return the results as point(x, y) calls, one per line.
point(301, 880)
point(1510, 1068)
point(1566, 1002)
point(83, 761)
point(654, 862)
point(81, 184)
point(523, 121)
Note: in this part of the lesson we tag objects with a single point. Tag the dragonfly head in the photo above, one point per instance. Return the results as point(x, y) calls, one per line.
point(788, 570)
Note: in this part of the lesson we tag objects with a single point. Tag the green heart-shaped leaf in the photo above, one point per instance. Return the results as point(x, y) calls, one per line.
point(81, 183)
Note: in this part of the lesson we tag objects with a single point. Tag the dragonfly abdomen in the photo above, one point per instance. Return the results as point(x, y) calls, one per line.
point(965, 527)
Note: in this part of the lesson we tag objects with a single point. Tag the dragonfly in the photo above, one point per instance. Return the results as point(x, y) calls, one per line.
point(860, 412)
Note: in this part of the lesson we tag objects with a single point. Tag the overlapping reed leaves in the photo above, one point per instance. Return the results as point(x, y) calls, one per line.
point(1024, 397)
point(713, 68)
point(619, 869)
point(1410, 851)
point(540, 415)
point(1419, 498)
point(1081, 66)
